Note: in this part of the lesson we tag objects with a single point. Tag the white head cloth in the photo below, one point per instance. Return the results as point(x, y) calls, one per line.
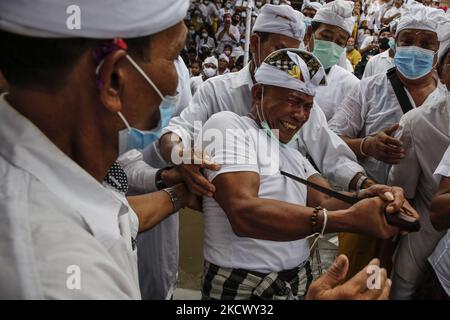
point(420, 17)
point(337, 13)
point(224, 57)
point(312, 5)
point(281, 19)
point(212, 60)
point(271, 75)
point(443, 33)
point(100, 19)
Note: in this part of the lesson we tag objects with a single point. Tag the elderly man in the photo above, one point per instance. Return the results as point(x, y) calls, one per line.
point(369, 116)
point(72, 92)
point(425, 134)
point(257, 224)
point(332, 26)
point(276, 27)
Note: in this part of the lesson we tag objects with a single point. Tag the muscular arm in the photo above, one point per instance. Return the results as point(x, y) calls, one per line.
point(440, 206)
point(251, 216)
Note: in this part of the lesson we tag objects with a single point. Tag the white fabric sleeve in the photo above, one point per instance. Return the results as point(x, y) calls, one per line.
point(309, 169)
point(234, 150)
point(349, 117)
point(141, 176)
point(332, 156)
point(406, 174)
point(443, 168)
point(193, 117)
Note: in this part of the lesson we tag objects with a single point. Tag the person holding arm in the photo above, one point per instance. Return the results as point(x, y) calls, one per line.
point(258, 221)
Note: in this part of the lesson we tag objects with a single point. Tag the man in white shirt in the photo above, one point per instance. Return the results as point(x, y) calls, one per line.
point(256, 225)
point(393, 13)
point(65, 235)
point(227, 34)
point(369, 115)
point(425, 133)
point(373, 106)
point(232, 92)
point(332, 26)
point(440, 258)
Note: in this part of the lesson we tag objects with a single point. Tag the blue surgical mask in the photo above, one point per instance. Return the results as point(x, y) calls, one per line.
point(327, 52)
point(307, 21)
point(391, 44)
point(414, 62)
point(132, 138)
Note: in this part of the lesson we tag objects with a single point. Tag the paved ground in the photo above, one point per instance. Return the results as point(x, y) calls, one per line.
point(191, 255)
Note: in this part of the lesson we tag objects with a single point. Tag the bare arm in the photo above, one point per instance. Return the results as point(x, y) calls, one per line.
point(251, 216)
point(440, 206)
point(381, 146)
point(152, 208)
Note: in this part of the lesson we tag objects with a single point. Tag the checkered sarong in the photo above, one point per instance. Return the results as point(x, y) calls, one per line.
point(239, 284)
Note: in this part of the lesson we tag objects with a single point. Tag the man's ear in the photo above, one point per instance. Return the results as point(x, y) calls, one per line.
point(254, 43)
point(256, 93)
point(111, 76)
point(310, 37)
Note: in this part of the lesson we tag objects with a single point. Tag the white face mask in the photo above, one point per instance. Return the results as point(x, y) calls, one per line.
point(209, 72)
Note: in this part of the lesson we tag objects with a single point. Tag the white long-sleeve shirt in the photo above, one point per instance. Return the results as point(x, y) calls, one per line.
point(371, 107)
point(340, 83)
point(232, 92)
point(57, 223)
point(440, 258)
point(425, 134)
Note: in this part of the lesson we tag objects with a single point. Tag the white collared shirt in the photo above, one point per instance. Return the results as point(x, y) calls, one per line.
point(232, 92)
point(57, 223)
point(440, 258)
point(379, 63)
point(425, 132)
point(339, 83)
point(371, 107)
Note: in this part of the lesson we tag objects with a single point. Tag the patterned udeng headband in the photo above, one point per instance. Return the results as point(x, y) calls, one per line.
point(294, 69)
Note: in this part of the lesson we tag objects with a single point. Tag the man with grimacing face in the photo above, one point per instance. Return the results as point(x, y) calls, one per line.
point(257, 224)
point(276, 27)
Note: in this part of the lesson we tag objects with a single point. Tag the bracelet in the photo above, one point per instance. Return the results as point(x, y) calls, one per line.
point(176, 201)
point(325, 220)
point(314, 219)
point(360, 182)
point(361, 147)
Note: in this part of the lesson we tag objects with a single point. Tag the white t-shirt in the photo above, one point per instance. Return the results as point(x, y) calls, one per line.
point(247, 151)
point(440, 258)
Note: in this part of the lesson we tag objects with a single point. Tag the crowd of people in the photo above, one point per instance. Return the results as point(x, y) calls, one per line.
point(108, 130)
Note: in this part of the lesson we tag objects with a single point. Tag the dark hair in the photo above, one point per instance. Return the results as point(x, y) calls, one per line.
point(45, 63)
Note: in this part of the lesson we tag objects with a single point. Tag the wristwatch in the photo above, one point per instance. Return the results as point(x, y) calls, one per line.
point(360, 182)
point(176, 201)
point(158, 179)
